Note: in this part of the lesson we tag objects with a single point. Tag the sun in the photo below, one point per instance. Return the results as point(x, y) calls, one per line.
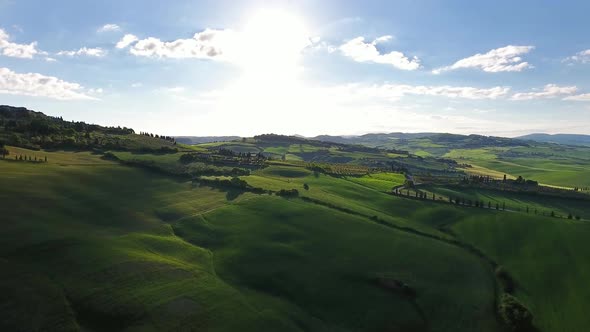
point(269, 84)
point(273, 41)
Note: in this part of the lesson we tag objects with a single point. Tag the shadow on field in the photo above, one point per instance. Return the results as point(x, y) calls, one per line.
point(232, 194)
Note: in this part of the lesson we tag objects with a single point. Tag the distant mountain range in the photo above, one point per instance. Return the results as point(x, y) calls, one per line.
point(567, 139)
point(394, 139)
point(204, 139)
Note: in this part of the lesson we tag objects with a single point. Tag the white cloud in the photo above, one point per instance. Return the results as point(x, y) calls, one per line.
point(109, 27)
point(38, 85)
point(582, 57)
point(549, 91)
point(504, 59)
point(582, 97)
point(208, 44)
point(397, 91)
point(172, 90)
point(137, 85)
point(361, 51)
point(25, 51)
point(95, 52)
point(127, 40)
point(49, 59)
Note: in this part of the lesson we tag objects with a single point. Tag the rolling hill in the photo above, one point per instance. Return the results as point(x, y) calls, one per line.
point(282, 233)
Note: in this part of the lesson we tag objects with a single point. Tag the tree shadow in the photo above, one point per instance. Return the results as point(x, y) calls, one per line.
point(232, 194)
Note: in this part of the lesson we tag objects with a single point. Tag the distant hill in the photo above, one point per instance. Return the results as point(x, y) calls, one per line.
point(567, 139)
point(371, 139)
point(204, 139)
point(424, 144)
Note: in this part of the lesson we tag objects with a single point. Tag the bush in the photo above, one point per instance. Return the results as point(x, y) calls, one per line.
point(109, 156)
point(516, 316)
point(288, 193)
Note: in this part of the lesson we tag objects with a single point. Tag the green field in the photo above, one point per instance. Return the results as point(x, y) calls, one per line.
point(114, 247)
point(111, 252)
point(556, 167)
point(547, 257)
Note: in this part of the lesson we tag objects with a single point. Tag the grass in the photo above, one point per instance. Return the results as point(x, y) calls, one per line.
point(329, 279)
point(380, 181)
point(546, 256)
point(110, 247)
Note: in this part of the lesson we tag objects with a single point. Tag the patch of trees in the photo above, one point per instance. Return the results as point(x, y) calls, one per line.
point(225, 158)
point(219, 171)
point(233, 183)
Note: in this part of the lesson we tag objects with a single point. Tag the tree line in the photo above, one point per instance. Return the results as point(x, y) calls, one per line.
point(461, 201)
point(166, 138)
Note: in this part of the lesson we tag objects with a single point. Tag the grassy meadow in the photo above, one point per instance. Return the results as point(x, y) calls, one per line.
point(91, 244)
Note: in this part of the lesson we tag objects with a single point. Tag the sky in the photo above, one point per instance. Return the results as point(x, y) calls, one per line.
point(204, 68)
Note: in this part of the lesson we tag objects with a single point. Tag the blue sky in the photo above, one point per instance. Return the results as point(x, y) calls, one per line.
point(301, 67)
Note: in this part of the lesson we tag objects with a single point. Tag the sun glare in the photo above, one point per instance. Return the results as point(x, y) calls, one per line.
point(271, 45)
point(273, 42)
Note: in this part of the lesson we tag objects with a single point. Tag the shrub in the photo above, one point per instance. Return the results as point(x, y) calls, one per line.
point(516, 316)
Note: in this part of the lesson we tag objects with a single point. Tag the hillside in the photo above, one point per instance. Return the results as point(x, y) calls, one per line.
point(281, 233)
point(35, 130)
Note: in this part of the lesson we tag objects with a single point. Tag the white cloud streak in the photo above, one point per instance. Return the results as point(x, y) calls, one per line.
point(361, 51)
point(581, 57)
point(582, 97)
point(549, 91)
point(504, 59)
point(85, 51)
point(396, 91)
point(38, 85)
point(109, 27)
point(10, 49)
